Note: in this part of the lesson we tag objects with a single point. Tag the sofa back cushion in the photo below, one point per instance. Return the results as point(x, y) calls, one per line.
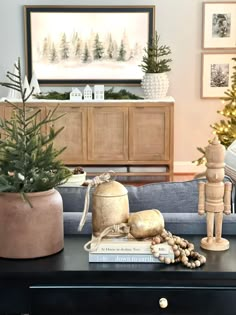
point(169, 197)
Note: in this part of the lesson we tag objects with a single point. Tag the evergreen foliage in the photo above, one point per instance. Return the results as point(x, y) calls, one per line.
point(28, 160)
point(109, 94)
point(153, 61)
point(225, 129)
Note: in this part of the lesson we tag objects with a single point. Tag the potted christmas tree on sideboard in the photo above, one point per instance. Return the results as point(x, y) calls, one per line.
point(31, 210)
point(155, 66)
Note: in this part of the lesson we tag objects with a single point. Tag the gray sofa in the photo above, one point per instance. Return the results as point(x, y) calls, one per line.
point(178, 202)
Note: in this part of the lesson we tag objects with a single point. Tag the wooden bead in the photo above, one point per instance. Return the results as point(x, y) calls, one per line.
point(177, 253)
point(187, 252)
point(177, 240)
point(156, 255)
point(193, 265)
point(164, 233)
point(167, 260)
point(175, 247)
point(184, 259)
point(202, 259)
point(171, 242)
point(182, 248)
point(197, 263)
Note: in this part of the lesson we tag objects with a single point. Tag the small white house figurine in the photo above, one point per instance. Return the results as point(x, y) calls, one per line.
point(99, 92)
point(13, 94)
point(88, 94)
point(34, 84)
point(26, 86)
point(75, 95)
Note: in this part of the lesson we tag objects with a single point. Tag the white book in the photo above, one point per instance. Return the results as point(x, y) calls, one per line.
point(125, 258)
point(128, 245)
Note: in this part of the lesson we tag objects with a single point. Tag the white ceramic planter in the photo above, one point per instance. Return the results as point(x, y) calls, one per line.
point(76, 180)
point(155, 85)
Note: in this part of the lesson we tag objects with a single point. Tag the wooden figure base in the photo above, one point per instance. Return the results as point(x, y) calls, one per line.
point(214, 245)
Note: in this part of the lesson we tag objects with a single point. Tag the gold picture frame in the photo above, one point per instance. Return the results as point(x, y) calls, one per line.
point(219, 25)
point(217, 70)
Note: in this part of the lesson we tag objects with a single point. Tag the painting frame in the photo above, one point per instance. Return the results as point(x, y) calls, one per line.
point(116, 74)
point(219, 25)
point(217, 71)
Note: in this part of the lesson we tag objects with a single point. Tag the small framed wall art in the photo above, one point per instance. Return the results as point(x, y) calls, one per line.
point(219, 25)
point(217, 70)
point(72, 45)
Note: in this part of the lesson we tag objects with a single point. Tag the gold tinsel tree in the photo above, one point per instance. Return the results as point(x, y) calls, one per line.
point(225, 129)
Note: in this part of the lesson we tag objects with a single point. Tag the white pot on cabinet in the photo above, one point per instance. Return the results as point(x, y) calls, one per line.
point(155, 85)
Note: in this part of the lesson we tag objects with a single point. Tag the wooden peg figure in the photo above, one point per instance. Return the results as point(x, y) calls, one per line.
point(214, 197)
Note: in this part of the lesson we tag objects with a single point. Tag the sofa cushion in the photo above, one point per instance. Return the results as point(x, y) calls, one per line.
point(173, 197)
point(167, 197)
point(178, 201)
point(176, 223)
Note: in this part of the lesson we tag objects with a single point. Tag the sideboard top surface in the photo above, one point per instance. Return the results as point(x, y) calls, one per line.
point(163, 101)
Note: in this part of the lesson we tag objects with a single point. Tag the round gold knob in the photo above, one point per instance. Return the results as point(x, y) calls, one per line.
point(163, 302)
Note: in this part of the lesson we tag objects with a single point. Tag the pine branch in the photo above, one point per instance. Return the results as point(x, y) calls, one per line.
point(28, 159)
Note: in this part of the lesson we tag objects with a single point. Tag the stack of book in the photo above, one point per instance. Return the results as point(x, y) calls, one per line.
point(128, 250)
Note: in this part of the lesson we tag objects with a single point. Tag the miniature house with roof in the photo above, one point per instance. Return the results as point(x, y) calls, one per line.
point(88, 93)
point(99, 92)
point(75, 95)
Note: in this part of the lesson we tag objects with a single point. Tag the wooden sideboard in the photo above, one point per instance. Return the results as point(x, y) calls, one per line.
point(134, 134)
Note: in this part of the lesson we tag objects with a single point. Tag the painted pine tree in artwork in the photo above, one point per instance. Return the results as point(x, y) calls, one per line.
point(53, 54)
point(98, 49)
point(122, 52)
point(64, 47)
point(86, 53)
point(110, 49)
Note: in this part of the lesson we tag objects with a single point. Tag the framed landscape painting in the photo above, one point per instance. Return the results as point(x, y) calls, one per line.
point(217, 70)
point(72, 45)
point(219, 25)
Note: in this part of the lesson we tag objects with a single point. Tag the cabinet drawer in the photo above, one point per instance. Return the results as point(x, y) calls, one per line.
point(131, 300)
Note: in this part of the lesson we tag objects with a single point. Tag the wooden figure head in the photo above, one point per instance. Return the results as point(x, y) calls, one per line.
point(215, 155)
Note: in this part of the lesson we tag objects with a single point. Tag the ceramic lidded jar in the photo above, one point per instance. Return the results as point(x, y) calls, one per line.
point(110, 206)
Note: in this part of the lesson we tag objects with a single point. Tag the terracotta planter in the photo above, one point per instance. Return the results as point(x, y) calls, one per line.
point(27, 232)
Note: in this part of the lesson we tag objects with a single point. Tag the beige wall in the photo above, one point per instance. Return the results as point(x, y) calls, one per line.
point(179, 23)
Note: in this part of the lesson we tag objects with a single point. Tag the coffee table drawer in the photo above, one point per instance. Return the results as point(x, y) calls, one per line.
point(132, 300)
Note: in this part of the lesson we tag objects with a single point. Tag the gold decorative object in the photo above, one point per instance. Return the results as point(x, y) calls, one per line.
point(150, 224)
point(110, 206)
point(146, 223)
point(110, 203)
point(214, 197)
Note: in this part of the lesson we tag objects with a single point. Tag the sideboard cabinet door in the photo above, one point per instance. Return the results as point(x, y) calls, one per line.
point(74, 134)
point(149, 133)
point(107, 134)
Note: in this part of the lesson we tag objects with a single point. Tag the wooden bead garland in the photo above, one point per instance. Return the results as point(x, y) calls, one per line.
point(183, 250)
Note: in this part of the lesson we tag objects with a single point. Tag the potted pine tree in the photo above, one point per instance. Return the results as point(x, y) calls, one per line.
point(155, 66)
point(31, 211)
